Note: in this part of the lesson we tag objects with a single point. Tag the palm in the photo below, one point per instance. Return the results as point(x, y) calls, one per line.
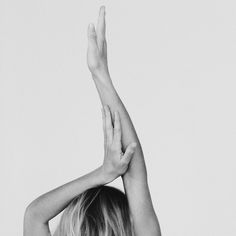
point(115, 161)
point(97, 48)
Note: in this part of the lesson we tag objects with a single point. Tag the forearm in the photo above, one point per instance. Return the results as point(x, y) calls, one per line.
point(109, 96)
point(135, 179)
point(52, 203)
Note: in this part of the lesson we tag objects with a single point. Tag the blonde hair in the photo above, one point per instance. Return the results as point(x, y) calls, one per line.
point(100, 211)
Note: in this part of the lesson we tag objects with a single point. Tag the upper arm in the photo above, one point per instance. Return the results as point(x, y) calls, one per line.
point(140, 203)
point(33, 226)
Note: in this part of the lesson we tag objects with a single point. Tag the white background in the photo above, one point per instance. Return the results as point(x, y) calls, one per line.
point(173, 64)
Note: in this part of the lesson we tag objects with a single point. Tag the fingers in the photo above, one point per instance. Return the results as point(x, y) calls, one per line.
point(109, 126)
point(96, 38)
point(113, 134)
point(104, 127)
point(92, 37)
point(117, 128)
point(129, 153)
point(101, 28)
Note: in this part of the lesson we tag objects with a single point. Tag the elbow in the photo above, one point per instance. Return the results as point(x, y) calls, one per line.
point(32, 214)
point(29, 211)
point(31, 220)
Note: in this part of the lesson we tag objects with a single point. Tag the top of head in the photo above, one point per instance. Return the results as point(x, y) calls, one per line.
point(98, 211)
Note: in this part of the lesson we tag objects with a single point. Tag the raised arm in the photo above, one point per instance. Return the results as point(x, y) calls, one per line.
point(48, 205)
point(135, 179)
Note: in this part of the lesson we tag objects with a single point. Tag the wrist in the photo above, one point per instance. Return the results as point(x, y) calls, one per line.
point(105, 177)
point(100, 177)
point(102, 77)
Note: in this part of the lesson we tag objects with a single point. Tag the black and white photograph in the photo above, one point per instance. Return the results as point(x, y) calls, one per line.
point(118, 118)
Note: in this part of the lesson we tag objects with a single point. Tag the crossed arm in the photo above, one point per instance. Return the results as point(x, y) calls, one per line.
point(119, 134)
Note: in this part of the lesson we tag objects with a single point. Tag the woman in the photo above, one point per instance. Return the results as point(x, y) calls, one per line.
point(90, 207)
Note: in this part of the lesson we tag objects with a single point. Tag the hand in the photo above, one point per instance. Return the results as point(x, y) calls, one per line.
point(97, 47)
point(115, 162)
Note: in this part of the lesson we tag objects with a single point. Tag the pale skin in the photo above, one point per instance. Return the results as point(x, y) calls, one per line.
point(123, 155)
point(115, 164)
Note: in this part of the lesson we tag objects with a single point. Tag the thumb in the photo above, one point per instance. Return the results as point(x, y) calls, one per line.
point(129, 153)
point(92, 36)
